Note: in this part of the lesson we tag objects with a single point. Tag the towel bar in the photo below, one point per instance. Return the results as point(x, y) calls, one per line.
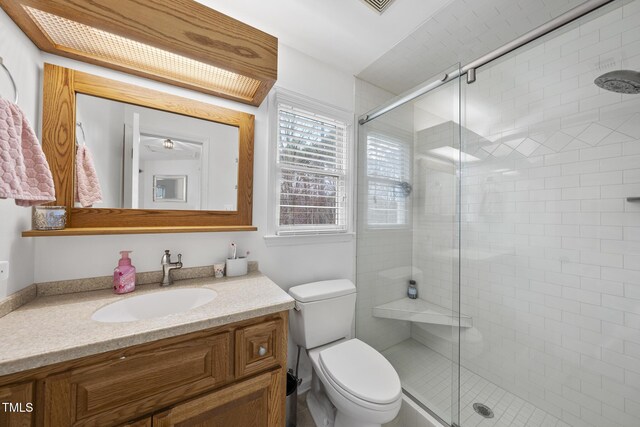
point(13, 83)
point(633, 199)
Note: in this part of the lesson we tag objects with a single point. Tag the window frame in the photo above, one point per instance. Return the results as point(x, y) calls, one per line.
point(275, 231)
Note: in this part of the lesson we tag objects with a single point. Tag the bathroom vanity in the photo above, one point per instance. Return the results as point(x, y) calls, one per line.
point(223, 362)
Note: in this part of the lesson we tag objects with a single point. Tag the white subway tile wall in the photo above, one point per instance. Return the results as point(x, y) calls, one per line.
point(550, 262)
point(383, 256)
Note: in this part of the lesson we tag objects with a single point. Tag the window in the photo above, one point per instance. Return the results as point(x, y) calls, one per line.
point(312, 167)
point(388, 176)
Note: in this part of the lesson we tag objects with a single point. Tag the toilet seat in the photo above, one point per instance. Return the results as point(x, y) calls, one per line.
point(361, 374)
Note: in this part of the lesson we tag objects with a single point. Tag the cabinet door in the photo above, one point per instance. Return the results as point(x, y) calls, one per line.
point(16, 405)
point(260, 347)
point(132, 385)
point(256, 402)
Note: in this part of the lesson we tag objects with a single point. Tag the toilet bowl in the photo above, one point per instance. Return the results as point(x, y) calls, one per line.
point(352, 385)
point(359, 381)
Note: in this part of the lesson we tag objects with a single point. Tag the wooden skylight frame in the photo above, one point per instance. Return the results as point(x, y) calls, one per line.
point(179, 42)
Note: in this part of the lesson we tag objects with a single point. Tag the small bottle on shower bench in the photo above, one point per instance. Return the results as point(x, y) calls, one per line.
point(412, 292)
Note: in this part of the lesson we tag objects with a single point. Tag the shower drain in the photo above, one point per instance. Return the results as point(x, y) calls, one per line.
point(483, 410)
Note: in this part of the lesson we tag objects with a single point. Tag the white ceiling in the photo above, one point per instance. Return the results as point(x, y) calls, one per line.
point(411, 42)
point(460, 32)
point(345, 33)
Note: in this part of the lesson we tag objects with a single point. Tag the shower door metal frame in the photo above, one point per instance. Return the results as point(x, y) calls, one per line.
point(469, 69)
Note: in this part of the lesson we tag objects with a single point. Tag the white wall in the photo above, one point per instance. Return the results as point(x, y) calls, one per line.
point(60, 258)
point(102, 122)
point(188, 168)
point(384, 255)
point(222, 181)
point(434, 216)
point(22, 58)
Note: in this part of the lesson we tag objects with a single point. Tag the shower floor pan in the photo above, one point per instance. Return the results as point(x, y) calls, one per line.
point(427, 376)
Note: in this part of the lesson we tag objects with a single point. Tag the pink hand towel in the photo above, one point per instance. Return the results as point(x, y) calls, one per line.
point(88, 189)
point(24, 172)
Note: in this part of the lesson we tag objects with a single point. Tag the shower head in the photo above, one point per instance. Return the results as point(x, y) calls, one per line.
point(405, 188)
point(620, 81)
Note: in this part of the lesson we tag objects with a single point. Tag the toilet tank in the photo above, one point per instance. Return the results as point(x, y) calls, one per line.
point(324, 312)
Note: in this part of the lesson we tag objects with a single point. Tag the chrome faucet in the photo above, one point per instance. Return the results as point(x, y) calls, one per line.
point(167, 266)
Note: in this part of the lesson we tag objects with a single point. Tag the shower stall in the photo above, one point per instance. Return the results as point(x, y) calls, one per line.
point(508, 190)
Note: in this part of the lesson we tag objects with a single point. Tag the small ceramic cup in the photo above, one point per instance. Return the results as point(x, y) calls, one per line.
point(218, 270)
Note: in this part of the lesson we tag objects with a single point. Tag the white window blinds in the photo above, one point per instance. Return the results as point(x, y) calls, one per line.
point(312, 163)
point(388, 176)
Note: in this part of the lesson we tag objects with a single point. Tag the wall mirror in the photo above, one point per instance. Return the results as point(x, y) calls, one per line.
point(132, 146)
point(146, 161)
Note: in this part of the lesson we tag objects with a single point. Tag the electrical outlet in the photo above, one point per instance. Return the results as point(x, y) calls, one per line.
point(4, 270)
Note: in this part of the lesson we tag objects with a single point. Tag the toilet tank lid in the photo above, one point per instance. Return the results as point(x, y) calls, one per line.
point(324, 289)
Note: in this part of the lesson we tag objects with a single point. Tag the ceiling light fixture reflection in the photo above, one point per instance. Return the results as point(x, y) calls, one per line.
point(453, 154)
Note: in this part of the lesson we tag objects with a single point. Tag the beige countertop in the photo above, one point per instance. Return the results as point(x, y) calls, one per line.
point(53, 329)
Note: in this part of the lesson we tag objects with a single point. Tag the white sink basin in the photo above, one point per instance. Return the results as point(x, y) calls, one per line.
point(155, 304)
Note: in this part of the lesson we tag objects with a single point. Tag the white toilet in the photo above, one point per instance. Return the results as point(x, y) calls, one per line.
point(352, 384)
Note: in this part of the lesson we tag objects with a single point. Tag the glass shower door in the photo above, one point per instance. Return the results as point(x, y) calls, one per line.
point(436, 247)
point(408, 230)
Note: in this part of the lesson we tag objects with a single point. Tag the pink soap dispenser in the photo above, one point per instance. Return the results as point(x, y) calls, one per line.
point(124, 275)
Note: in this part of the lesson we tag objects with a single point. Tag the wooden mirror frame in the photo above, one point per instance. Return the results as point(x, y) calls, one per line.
point(58, 140)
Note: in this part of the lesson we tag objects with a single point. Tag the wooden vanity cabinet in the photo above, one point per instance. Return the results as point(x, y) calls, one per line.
point(244, 404)
point(257, 347)
point(233, 375)
point(19, 396)
point(145, 422)
point(133, 384)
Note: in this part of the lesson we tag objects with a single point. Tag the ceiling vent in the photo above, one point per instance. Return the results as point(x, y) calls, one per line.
point(379, 5)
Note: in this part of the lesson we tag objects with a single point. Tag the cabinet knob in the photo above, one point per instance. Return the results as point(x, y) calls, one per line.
point(262, 351)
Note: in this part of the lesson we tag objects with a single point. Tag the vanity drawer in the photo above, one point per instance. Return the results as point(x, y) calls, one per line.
point(259, 347)
point(253, 402)
point(138, 382)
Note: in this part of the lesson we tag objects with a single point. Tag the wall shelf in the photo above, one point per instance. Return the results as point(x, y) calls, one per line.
point(90, 231)
point(420, 311)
